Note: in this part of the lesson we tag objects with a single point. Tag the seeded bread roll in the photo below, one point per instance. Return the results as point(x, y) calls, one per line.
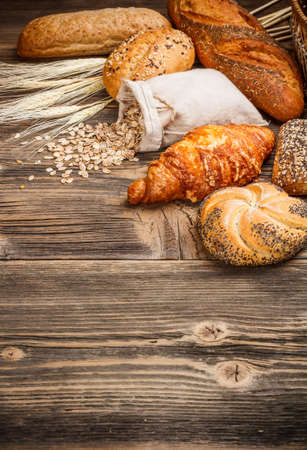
point(290, 164)
point(80, 33)
point(254, 225)
point(147, 55)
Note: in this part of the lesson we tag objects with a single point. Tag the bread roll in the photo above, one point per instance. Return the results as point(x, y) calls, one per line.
point(229, 39)
point(255, 225)
point(147, 55)
point(206, 159)
point(290, 164)
point(85, 32)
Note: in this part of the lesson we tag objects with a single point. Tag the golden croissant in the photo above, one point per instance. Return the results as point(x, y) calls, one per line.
point(207, 158)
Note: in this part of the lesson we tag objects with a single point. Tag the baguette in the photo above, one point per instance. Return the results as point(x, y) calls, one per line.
point(80, 33)
point(229, 39)
point(290, 164)
point(146, 55)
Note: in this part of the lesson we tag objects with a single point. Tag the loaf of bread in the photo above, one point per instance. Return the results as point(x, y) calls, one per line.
point(147, 55)
point(290, 164)
point(254, 225)
point(206, 159)
point(229, 39)
point(85, 32)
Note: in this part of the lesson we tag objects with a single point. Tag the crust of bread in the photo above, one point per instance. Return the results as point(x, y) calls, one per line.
point(290, 163)
point(255, 225)
point(229, 39)
point(95, 32)
point(146, 55)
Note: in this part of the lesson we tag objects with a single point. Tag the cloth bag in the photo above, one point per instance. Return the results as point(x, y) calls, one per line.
point(176, 103)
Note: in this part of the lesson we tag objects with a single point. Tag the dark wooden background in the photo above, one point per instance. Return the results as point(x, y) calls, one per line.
point(117, 331)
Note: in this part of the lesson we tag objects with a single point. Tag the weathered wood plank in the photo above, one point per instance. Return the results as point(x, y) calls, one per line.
point(153, 445)
point(215, 356)
point(150, 355)
point(91, 218)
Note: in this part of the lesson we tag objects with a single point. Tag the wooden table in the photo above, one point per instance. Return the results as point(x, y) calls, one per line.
point(118, 332)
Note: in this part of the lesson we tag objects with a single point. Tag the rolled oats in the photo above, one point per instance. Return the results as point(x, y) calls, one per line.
point(97, 147)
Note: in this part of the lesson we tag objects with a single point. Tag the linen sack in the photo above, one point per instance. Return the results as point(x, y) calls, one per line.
point(176, 103)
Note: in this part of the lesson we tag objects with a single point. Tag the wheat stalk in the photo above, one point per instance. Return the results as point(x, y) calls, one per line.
point(274, 18)
point(277, 17)
point(57, 98)
point(24, 76)
point(266, 5)
point(31, 105)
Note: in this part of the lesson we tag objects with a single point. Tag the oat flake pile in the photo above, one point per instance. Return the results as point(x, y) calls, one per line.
point(86, 147)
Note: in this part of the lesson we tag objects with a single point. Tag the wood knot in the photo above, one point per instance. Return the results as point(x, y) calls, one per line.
point(234, 374)
point(208, 331)
point(12, 354)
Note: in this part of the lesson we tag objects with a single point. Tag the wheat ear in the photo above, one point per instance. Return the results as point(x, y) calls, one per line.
point(58, 97)
point(25, 76)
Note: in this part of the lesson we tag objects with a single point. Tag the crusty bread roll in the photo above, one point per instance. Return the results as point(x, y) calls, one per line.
point(229, 39)
point(255, 225)
point(147, 55)
point(290, 164)
point(85, 32)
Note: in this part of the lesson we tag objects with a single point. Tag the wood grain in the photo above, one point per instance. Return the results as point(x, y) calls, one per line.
point(113, 335)
point(94, 345)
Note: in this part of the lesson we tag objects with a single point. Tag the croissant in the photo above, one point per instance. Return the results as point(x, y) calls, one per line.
point(207, 158)
point(253, 225)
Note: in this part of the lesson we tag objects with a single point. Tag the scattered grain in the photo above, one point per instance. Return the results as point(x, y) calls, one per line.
point(103, 146)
